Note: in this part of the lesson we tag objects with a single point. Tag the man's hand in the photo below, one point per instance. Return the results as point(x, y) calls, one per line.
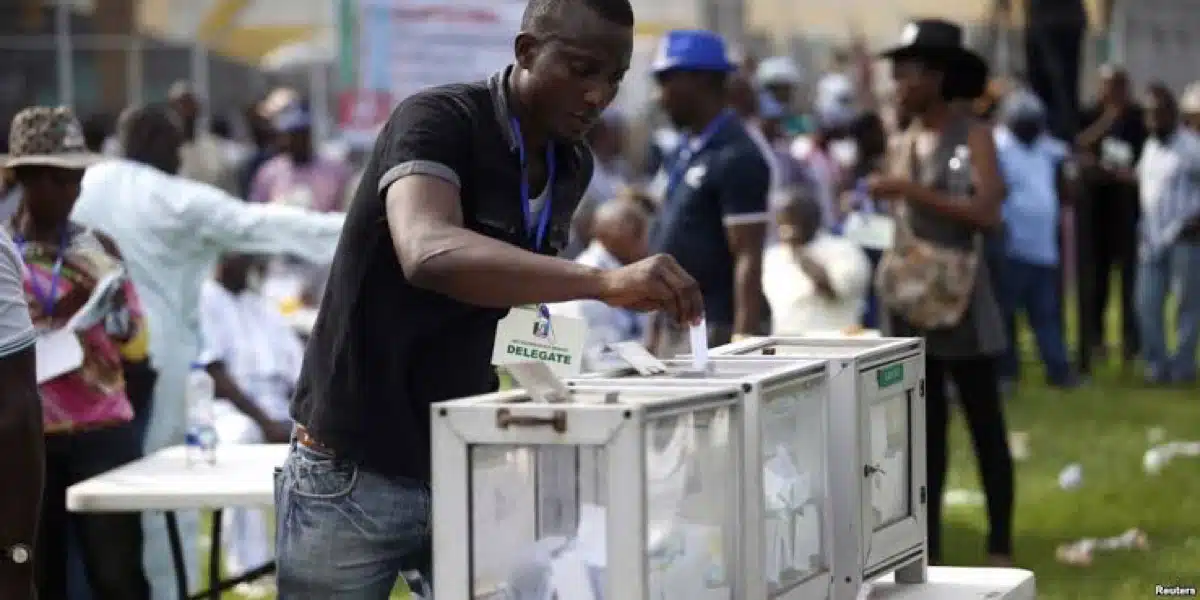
point(652, 284)
point(276, 432)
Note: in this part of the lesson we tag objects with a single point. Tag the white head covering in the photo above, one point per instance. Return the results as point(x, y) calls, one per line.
point(778, 70)
point(835, 101)
point(1021, 104)
point(1189, 102)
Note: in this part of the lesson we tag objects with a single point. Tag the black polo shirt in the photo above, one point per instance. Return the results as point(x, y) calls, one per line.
point(383, 349)
point(726, 182)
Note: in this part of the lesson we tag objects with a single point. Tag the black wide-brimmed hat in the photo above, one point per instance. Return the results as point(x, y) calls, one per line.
point(942, 41)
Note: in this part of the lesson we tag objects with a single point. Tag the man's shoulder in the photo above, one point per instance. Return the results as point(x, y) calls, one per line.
point(738, 147)
point(443, 101)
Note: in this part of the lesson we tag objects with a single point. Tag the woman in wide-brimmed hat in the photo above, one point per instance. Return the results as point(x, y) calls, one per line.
point(82, 352)
point(935, 282)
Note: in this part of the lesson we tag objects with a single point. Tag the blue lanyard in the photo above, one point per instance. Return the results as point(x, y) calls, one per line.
point(688, 148)
point(544, 218)
point(48, 298)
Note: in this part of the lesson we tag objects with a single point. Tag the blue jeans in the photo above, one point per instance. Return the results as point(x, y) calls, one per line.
point(344, 533)
point(1179, 264)
point(1035, 290)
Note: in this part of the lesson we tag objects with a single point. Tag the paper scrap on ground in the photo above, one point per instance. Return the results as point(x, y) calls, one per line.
point(699, 338)
point(1018, 445)
point(1071, 476)
point(961, 497)
point(1157, 457)
point(1079, 553)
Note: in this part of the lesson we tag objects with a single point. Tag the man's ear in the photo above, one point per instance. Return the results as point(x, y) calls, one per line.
point(525, 49)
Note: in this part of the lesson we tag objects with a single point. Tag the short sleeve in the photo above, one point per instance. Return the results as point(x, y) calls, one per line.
point(16, 329)
point(428, 134)
point(744, 187)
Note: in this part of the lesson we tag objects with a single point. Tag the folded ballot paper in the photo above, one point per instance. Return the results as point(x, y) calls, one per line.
point(685, 562)
point(793, 526)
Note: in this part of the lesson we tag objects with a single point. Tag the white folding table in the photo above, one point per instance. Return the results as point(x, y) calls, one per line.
point(961, 583)
point(243, 476)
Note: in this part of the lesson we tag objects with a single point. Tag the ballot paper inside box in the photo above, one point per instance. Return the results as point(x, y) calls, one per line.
point(591, 496)
point(786, 540)
point(877, 434)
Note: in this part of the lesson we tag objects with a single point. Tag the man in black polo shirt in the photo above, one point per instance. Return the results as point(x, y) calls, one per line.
point(467, 195)
point(714, 190)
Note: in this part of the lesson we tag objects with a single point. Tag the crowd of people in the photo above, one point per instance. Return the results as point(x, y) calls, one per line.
point(936, 210)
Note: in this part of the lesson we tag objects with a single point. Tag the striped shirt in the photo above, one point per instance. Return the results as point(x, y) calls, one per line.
point(16, 328)
point(1169, 179)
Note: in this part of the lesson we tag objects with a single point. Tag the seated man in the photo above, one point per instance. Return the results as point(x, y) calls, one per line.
point(619, 231)
point(813, 281)
point(254, 359)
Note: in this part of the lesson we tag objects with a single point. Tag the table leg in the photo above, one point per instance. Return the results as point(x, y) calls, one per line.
point(181, 583)
point(214, 557)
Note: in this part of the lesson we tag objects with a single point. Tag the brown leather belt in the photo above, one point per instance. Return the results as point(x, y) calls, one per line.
point(304, 438)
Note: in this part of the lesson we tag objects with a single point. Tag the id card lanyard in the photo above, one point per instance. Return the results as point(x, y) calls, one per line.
point(688, 148)
point(47, 298)
point(536, 231)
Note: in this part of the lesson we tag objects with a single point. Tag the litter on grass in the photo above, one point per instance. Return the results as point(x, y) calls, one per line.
point(1071, 476)
point(961, 497)
point(1157, 457)
point(1018, 445)
point(1081, 552)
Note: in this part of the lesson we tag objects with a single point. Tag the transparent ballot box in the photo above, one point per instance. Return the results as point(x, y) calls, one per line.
point(608, 495)
point(787, 537)
point(878, 453)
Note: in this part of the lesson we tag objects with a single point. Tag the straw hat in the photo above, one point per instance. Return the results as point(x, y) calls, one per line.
point(46, 136)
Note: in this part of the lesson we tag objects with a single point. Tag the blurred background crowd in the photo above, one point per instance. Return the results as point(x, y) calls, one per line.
point(1092, 106)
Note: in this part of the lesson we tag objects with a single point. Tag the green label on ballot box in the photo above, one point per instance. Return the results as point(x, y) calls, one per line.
point(890, 375)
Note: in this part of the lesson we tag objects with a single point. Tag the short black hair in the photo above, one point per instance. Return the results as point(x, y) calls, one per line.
point(1162, 94)
point(150, 134)
point(542, 14)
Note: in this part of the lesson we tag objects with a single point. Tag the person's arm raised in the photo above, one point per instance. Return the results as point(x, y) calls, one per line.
point(233, 225)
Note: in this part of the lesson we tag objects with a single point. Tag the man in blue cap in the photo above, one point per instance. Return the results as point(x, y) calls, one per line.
point(713, 188)
point(298, 175)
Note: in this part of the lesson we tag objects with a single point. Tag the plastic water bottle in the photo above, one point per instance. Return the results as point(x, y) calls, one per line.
point(201, 439)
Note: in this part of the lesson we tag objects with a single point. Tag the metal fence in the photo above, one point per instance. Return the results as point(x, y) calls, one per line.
point(100, 75)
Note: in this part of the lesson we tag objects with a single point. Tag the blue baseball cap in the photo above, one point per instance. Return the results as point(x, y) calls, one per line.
point(691, 50)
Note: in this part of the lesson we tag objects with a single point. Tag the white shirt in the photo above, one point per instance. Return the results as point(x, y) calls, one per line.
point(247, 334)
point(16, 330)
point(171, 231)
point(796, 307)
point(1169, 184)
point(605, 324)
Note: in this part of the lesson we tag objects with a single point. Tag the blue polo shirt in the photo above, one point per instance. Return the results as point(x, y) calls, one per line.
point(725, 183)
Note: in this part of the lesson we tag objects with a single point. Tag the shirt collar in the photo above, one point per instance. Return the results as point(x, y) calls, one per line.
point(498, 86)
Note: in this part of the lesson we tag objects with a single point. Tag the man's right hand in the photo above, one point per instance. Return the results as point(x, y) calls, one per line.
point(654, 284)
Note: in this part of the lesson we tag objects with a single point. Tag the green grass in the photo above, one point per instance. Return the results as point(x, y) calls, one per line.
point(1102, 426)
